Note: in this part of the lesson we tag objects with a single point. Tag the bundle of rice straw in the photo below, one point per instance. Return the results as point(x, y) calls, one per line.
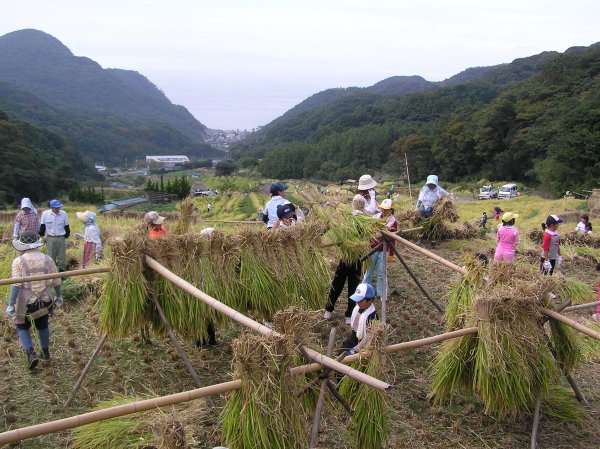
point(257, 272)
point(351, 233)
point(124, 307)
point(170, 428)
point(578, 292)
point(264, 412)
point(508, 363)
point(460, 298)
point(434, 227)
point(371, 416)
point(570, 238)
point(187, 208)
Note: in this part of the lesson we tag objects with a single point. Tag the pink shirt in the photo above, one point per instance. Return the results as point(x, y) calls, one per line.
point(508, 238)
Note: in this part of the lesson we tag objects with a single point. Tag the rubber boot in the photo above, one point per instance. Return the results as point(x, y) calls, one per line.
point(45, 354)
point(32, 359)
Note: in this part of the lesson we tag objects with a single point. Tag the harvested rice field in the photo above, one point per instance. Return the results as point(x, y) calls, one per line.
point(130, 367)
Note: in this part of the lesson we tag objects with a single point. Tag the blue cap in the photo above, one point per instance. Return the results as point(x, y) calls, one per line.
point(55, 204)
point(285, 210)
point(553, 219)
point(277, 187)
point(363, 291)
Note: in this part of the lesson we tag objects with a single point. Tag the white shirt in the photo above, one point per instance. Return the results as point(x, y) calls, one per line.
point(271, 208)
point(92, 235)
point(428, 197)
point(55, 223)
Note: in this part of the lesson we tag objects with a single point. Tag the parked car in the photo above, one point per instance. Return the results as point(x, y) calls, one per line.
point(488, 191)
point(205, 193)
point(508, 191)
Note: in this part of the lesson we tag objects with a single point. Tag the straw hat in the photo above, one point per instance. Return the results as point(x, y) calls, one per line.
point(507, 216)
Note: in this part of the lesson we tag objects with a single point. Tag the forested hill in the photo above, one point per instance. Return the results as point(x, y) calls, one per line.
point(535, 120)
point(109, 114)
point(37, 163)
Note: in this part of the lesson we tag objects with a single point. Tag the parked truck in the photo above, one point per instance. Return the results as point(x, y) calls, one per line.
point(488, 191)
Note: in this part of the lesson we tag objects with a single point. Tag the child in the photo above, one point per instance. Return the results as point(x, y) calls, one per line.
point(483, 220)
point(507, 237)
point(497, 211)
point(288, 215)
point(91, 237)
point(364, 312)
point(551, 245)
point(584, 226)
point(596, 316)
point(387, 213)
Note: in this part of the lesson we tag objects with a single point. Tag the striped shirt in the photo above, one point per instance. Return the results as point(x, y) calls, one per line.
point(26, 222)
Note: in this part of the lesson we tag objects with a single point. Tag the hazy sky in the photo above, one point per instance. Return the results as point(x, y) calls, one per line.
point(241, 64)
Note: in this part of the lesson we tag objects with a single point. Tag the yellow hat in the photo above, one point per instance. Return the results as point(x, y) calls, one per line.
point(507, 216)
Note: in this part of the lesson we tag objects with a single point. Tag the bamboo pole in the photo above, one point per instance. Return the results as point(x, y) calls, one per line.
point(589, 305)
point(569, 322)
point(175, 340)
point(414, 278)
point(85, 370)
point(114, 412)
point(233, 222)
point(425, 252)
point(264, 330)
point(62, 274)
point(314, 433)
point(384, 281)
point(162, 401)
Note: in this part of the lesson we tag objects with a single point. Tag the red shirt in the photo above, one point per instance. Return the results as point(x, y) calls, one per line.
point(155, 233)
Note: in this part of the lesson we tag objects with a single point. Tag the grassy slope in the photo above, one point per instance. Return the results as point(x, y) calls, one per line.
point(126, 366)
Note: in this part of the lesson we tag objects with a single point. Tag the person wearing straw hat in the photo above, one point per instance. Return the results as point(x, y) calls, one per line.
point(33, 300)
point(91, 237)
point(155, 225)
point(54, 224)
point(366, 188)
point(429, 195)
point(277, 199)
point(550, 257)
point(387, 213)
point(26, 220)
point(507, 237)
point(363, 313)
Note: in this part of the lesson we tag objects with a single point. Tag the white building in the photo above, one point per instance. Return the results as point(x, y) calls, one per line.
point(177, 159)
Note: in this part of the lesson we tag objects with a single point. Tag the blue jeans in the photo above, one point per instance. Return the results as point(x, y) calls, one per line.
point(376, 262)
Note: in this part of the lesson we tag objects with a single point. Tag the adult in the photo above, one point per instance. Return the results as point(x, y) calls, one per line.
point(366, 188)
point(26, 220)
point(154, 221)
point(428, 196)
point(277, 198)
point(507, 237)
point(33, 300)
point(54, 224)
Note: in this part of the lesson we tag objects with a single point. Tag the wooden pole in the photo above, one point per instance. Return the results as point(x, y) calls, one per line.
point(314, 433)
point(162, 401)
point(569, 322)
point(536, 423)
point(425, 252)
point(175, 340)
point(589, 305)
point(384, 281)
point(264, 330)
point(414, 278)
point(85, 370)
point(62, 274)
